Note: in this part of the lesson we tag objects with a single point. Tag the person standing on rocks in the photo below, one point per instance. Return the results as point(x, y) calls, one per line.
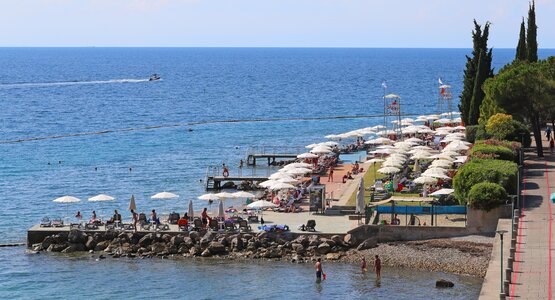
point(319, 271)
point(378, 266)
point(135, 219)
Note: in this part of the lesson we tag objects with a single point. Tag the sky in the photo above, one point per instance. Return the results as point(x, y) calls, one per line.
point(267, 23)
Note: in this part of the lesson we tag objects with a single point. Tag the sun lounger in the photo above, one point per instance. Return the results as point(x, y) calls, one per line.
point(173, 218)
point(91, 226)
point(244, 226)
point(58, 222)
point(230, 226)
point(214, 226)
point(45, 222)
point(197, 224)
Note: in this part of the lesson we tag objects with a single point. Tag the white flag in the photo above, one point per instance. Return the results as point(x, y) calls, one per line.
point(384, 85)
point(439, 81)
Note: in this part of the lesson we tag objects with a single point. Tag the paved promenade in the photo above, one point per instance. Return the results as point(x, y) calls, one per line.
point(533, 276)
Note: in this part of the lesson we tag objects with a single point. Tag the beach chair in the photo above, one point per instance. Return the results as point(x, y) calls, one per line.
point(45, 222)
point(183, 224)
point(214, 226)
point(230, 226)
point(244, 226)
point(311, 225)
point(197, 224)
point(58, 222)
point(173, 218)
point(91, 226)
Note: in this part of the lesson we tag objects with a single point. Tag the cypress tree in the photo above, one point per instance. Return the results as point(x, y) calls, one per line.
point(531, 41)
point(521, 47)
point(482, 73)
point(480, 41)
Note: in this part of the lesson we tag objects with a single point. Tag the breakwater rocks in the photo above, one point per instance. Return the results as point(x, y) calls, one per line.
point(289, 246)
point(443, 255)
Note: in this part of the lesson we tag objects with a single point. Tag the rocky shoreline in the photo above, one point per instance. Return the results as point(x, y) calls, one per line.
point(445, 255)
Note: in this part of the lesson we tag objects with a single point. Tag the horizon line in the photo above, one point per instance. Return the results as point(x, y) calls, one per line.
point(257, 47)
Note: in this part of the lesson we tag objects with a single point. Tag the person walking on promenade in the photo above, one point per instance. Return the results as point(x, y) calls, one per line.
point(319, 271)
point(551, 145)
point(378, 266)
point(330, 176)
point(548, 133)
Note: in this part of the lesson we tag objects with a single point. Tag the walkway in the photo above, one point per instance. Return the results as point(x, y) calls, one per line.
point(533, 276)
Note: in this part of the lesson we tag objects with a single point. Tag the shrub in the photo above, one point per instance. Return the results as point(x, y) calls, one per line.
point(500, 152)
point(500, 126)
point(477, 170)
point(521, 134)
point(486, 196)
point(481, 133)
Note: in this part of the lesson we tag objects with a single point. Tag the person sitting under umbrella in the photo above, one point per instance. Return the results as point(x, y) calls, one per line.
point(115, 218)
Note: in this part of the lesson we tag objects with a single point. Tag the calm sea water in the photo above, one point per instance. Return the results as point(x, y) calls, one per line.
point(51, 92)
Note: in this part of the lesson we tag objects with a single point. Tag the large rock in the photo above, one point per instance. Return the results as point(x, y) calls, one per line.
point(194, 235)
point(77, 237)
point(350, 239)
point(56, 247)
point(166, 238)
point(188, 242)
point(442, 283)
point(49, 240)
point(74, 247)
point(101, 246)
point(237, 244)
point(146, 240)
point(369, 243)
point(313, 240)
point(183, 249)
point(194, 251)
point(176, 240)
point(272, 253)
point(206, 239)
point(333, 256)
point(216, 248)
point(206, 253)
point(262, 235)
point(158, 248)
point(91, 243)
point(301, 239)
point(298, 248)
point(324, 248)
point(337, 239)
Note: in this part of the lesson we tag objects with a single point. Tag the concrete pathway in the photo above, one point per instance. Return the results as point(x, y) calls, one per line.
point(533, 276)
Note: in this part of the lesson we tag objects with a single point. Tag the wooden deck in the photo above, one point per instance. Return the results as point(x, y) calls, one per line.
point(271, 157)
point(215, 182)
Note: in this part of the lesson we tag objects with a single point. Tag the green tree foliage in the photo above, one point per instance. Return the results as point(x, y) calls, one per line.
point(480, 41)
point(502, 172)
point(488, 108)
point(492, 151)
point(531, 36)
point(487, 196)
point(500, 126)
point(521, 47)
point(482, 73)
point(526, 91)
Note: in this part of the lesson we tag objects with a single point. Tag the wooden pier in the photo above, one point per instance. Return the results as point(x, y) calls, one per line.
point(271, 157)
point(215, 182)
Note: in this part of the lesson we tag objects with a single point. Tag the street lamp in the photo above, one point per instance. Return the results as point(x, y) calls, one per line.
point(501, 232)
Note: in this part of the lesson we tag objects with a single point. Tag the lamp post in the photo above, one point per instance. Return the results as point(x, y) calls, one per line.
point(501, 233)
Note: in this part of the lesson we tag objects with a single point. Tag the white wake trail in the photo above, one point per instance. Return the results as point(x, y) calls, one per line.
point(66, 83)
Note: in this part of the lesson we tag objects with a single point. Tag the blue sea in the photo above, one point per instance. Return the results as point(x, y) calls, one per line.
point(85, 121)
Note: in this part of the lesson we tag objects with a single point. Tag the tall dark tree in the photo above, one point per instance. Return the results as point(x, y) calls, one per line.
point(521, 47)
point(482, 72)
point(531, 35)
point(480, 43)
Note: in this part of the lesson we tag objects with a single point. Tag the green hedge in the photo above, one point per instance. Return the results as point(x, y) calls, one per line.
point(520, 134)
point(502, 172)
point(486, 196)
point(481, 150)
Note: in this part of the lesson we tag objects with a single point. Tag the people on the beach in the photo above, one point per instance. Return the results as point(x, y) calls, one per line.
point(78, 216)
point(116, 217)
point(319, 270)
point(204, 216)
point(363, 266)
point(93, 217)
point(154, 217)
point(135, 218)
point(378, 266)
point(330, 174)
point(225, 171)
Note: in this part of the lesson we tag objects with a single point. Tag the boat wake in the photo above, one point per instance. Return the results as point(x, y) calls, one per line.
point(66, 83)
